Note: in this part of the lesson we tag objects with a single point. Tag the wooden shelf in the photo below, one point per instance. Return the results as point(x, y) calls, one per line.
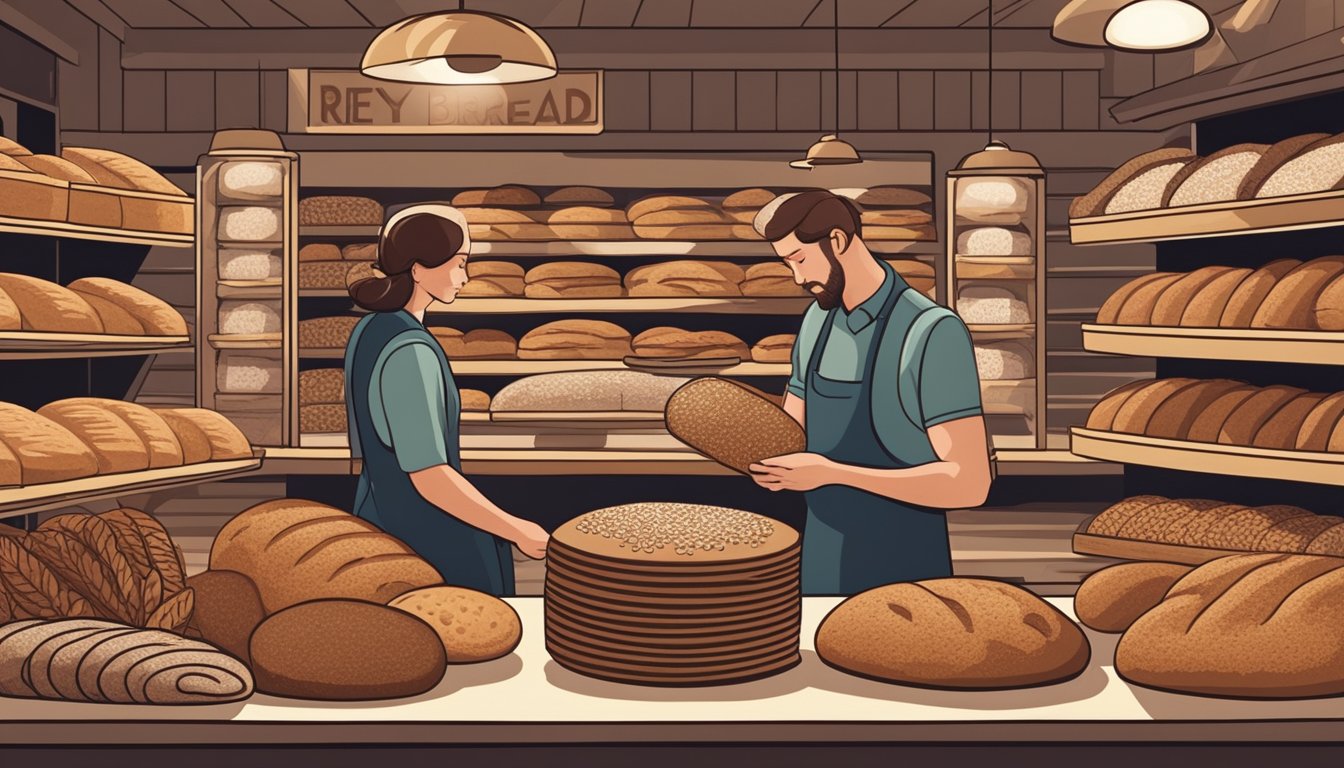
point(23, 500)
point(532, 367)
point(249, 289)
point(1241, 217)
point(1245, 344)
point(86, 232)
point(1003, 330)
point(245, 340)
point(996, 267)
point(1209, 458)
point(732, 305)
point(36, 345)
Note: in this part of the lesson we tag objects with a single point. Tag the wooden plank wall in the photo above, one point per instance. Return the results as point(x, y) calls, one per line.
point(166, 118)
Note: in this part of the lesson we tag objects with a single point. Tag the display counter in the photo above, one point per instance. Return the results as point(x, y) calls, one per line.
point(528, 699)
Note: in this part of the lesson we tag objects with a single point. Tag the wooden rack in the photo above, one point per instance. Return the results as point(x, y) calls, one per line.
point(719, 306)
point(36, 345)
point(1209, 458)
point(1245, 344)
point(40, 227)
point(1239, 217)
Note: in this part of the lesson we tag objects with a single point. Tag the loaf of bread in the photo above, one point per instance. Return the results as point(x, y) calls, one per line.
point(474, 400)
point(1173, 302)
point(1245, 422)
point(10, 317)
point(731, 424)
point(340, 210)
point(1205, 309)
point(249, 264)
point(227, 609)
point(319, 252)
point(992, 196)
point(1291, 303)
point(56, 168)
point(743, 205)
point(1319, 424)
point(480, 344)
point(1001, 360)
point(1174, 417)
point(296, 551)
point(563, 231)
point(326, 332)
point(153, 314)
point(1226, 627)
point(366, 252)
point(248, 317)
point(250, 224)
point(896, 217)
point(493, 278)
point(345, 650)
point(242, 372)
point(1111, 599)
point(584, 214)
point(523, 232)
point(1214, 525)
point(323, 275)
point(580, 391)
point(323, 419)
point(1109, 314)
point(682, 216)
point(1315, 168)
point(993, 241)
point(115, 445)
point(575, 340)
point(572, 279)
point(676, 343)
point(502, 216)
point(953, 634)
point(321, 385)
point(1215, 178)
point(251, 179)
point(192, 425)
point(890, 197)
point(657, 203)
point(46, 306)
point(696, 232)
point(591, 196)
point(1137, 185)
point(47, 452)
point(774, 349)
point(101, 661)
point(473, 626)
point(914, 232)
point(113, 169)
point(506, 196)
point(685, 278)
point(770, 278)
point(991, 305)
point(1280, 430)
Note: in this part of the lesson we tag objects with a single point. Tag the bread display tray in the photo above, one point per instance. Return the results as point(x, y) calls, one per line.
point(32, 345)
point(1210, 458)
point(26, 499)
point(1002, 330)
point(1250, 344)
point(526, 698)
point(1239, 217)
point(727, 305)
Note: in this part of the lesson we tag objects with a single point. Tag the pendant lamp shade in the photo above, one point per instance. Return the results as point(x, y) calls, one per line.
point(459, 48)
point(1133, 25)
point(829, 150)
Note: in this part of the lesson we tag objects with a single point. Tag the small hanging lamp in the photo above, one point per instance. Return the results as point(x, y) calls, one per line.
point(459, 48)
point(830, 149)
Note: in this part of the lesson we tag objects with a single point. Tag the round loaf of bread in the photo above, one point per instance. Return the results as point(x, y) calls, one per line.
point(346, 650)
point(296, 551)
point(770, 278)
point(1113, 598)
point(587, 391)
point(117, 170)
point(575, 340)
point(991, 305)
point(472, 625)
point(1328, 542)
point(227, 609)
point(731, 424)
point(478, 344)
point(669, 342)
point(993, 241)
point(953, 634)
point(359, 252)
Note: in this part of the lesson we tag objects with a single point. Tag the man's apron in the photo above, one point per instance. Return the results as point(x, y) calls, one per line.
point(464, 555)
point(854, 540)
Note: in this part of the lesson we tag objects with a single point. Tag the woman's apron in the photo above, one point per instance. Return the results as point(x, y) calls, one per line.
point(464, 555)
point(855, 540)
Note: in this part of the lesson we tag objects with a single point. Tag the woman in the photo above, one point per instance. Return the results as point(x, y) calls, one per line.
point(404, 407)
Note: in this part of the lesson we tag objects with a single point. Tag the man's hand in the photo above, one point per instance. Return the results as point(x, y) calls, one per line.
point(795, 472)
point(531, 539)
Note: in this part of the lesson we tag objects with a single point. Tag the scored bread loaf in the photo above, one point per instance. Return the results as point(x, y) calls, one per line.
point(731, 424)
point(94, 660)
point(1153, 520)
point(676, 343)
point(156, 316)
point(296, 551)
point(774, 349)
point(46, 306)
point(1292, 301)
point(751, 199)
point(340, 210)
point(114, 169)
point(115, 445)
point(953, 633)
point(1317, 426)
point(1137, 411)
point(584, 214)
point(1206, 307)
point(1222, 630)
point(162, 444)
point(47, 452)
point(115, 319)
point(1173, 302)
point(505, 196)
point(1102, 415)
point(1245, 301)
point(1113, 518)
point(1113, 598)
point(1316, 168)
point(1136, 185)
point(57, 168)
point(382, 653)
point(226, 441)
point(586, 391)
point(575, 340)
point(473, 626)
point(1208, 424)
point(1215, 178)
point(1138, 307)
point(322, 385)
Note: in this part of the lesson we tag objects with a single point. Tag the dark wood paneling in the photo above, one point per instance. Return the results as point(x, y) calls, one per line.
point(668, 13)
point(215, 14)
point(152, 13)
point(1126, 73)
point(263, 13)
point(237, 99)
point(608, 13)
point(916, 100)
point(712, 105)
point(1081, 97)
point(799, 102)
point(952, 101)
point(1042, 101)
point(77, 84)
point(1006, 90)
point(979, 101)
point(275, 101)
point(323, 13)
point(191, 101)
point(670, 96)
point(145, 99)
point(626, 101)
point(756, 107)
point(849, 101)
point(879, 101)
point(109, 82)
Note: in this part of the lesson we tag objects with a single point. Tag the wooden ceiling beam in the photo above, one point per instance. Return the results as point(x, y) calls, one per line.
point(98, 12)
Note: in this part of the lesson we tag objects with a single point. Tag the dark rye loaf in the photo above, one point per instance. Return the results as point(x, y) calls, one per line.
point(732, 424)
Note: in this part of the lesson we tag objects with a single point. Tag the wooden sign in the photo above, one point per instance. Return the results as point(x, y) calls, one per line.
point(345, 101)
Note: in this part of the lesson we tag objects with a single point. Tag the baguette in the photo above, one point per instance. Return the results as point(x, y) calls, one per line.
point(1137, 411)
point(1113, 598)
point(162, 443)
point(1280, 430)
point(47, 306)
point(1174, 417)
point(155, 314)
point(1314, 435)
point(47, 452)
point(115, 319)
point(115, 445)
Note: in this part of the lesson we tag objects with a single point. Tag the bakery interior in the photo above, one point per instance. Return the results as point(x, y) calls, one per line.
point(1137, 217)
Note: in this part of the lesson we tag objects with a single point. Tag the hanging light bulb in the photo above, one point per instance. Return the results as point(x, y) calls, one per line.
point(830, 149)
point(459, 48)
point(1133, 25)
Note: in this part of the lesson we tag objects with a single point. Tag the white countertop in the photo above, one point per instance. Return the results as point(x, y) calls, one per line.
point(527, 696)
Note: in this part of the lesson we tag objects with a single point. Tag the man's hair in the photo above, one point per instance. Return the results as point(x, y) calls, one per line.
point(811, 215)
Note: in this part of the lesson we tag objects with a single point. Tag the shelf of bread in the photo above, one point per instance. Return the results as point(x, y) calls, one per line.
point(1172, 194)
point(1246, 344)
point(245, 340)
point(734, 305)
point(36, 345)
point(22, 226)
point(1209, 458)
point(531, 367)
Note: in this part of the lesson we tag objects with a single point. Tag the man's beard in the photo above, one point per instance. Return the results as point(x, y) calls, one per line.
point(832, 290)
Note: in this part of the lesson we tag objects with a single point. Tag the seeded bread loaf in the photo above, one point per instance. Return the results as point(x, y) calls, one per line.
point(1206, 307)
point(1328, 542)
point(1316, 168)
point(991, 305)
point(1114, 517)
point(1215, 178)
point(322, 385)
point(575, 340)
point(1138, 184)
point(669, 342)
point(340, 210)
point(993, 241)
point(326, 332)
point(1295, 534)
point(730, 424)
point(587, 391)
point(954, 634)
point(1113, 598)
point(1245, 301)
point(251, 179)
point(1172, 304)
point(1292, 301)
point(505, 196)
point(1221, 628)
point(1149, 523)
point(296, 551)
point(323, 419)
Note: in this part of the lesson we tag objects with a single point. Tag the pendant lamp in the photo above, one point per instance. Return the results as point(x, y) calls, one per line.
point(459, 48)
point(1145, 26)
point(830, 149)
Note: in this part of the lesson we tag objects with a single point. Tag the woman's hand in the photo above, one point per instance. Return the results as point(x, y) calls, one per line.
point(531, 539)
point(795, 472)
